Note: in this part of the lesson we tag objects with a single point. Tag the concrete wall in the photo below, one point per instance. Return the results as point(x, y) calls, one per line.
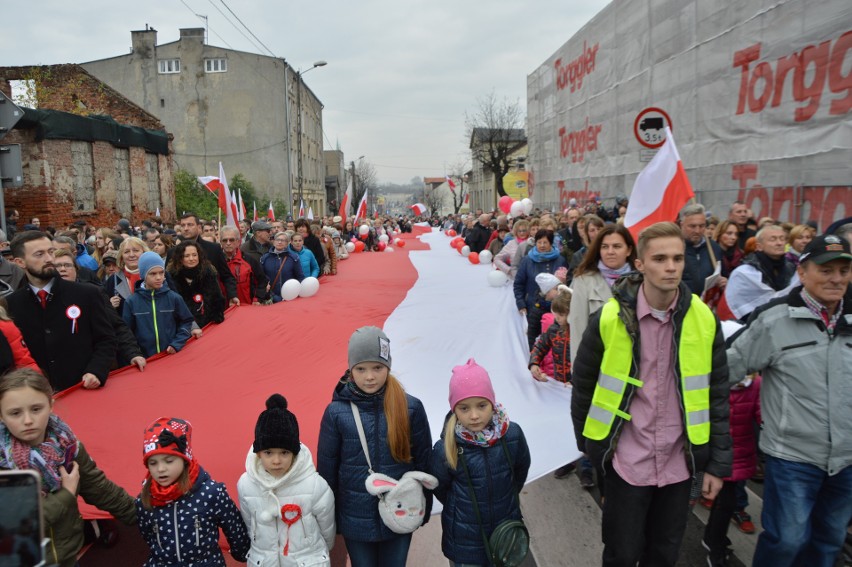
point(239, 117)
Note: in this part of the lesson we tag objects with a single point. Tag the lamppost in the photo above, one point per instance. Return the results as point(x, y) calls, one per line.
point(354, 189)
point(299, 75)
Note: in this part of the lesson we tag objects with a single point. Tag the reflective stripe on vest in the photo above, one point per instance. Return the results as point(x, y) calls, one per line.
point(695, 361)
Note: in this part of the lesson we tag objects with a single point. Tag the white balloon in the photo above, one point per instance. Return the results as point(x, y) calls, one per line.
point(350, 246)
point(310, 287)
point(497, 278)
point(388, 249)
point(384, 238)
point(396, 241)
point(485, 257)
point(528, 205)
point(517, 209)
point(363, 229)
point(290, 290)
point(466, 251)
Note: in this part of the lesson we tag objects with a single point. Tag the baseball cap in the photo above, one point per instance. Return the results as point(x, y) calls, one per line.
point(826, 248)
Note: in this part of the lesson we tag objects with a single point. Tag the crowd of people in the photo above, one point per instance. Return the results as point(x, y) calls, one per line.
point(665, 407)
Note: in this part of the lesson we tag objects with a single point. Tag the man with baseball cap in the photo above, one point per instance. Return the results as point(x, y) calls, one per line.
point(801, 345)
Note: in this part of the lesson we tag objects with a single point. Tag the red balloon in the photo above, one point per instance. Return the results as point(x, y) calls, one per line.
point(505, 204)
point(359, 246)
point(451, 232)
point(459, 248)
point(363, 237)
point(473, 257)
point(382, 246)
point(458, 242)
point(399, 242)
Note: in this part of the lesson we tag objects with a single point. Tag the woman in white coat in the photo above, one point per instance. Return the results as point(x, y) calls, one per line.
point(288, 508)
point(611, 255)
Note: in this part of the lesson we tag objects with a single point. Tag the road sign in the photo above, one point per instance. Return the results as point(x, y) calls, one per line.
point(650, 127)
point(11, 172)
point(10, 113)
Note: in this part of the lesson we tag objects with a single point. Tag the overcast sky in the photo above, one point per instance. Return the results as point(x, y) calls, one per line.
point(400, 76)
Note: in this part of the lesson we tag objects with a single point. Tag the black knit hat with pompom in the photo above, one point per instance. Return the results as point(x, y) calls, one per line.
point(276, 427)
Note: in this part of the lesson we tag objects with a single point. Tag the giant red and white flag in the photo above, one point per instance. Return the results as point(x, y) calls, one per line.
point(230, 210)
point(660, 191)
point(346, 202)
point(362, 208)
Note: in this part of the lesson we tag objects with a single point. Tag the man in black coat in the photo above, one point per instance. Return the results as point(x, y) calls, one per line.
point(65, 324)
point(479, 234)
point(191, 230)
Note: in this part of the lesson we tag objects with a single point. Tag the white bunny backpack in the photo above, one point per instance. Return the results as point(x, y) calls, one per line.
point(402, 503)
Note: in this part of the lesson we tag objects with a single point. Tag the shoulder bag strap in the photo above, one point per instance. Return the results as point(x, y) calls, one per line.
point(281, 267)
point(511, 469)
point(361, 435)
point(475, 503)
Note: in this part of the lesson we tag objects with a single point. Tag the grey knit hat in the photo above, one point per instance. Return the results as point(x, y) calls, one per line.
point(369, 344)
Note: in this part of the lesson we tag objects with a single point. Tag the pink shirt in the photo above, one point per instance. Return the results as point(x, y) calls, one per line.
point(650, 450)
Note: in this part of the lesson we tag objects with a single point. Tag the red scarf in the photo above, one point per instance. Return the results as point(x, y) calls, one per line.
point(131, 280)
point(164, 495)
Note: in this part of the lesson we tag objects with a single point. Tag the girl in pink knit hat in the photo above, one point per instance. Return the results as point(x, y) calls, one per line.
point(481, 463)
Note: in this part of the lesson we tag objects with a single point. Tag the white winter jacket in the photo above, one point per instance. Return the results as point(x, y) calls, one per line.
point(312, 530)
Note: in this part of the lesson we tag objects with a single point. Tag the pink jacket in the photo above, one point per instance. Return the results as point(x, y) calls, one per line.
point(547, 362)
point(745, 416)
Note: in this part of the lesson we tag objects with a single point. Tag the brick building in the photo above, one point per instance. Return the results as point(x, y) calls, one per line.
point(88, 153)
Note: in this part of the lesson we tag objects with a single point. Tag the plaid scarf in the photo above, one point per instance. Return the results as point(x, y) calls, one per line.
point(59, 447)
point(491, 434)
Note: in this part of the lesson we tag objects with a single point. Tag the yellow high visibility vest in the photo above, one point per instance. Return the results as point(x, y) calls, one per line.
point(695, 359)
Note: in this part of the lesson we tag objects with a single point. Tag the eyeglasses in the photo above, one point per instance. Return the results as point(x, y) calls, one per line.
point(63, 266)
point(228, 239)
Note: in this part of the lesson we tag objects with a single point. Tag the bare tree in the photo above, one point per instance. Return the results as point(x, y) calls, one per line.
point(457, 176)
point(495, 131)
point(432, 197)
point(365, 178)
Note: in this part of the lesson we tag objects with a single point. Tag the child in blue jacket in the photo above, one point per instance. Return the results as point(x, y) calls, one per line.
point(157, 315)
point(479, 431)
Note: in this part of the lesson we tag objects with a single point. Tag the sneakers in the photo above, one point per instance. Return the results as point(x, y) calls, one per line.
point(743, 521)
point(719, 557)
point(587, 479)
point(564, 470)
point(706, 502)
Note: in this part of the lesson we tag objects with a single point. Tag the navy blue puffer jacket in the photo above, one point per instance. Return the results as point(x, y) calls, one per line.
point(186, 532)
point(491, 477)
point(341, 461)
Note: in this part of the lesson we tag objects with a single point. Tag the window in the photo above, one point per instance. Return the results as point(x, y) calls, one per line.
point(169, 66)
point(215, 65)
point(121, 162)
point(152, 170)
point(84, 178)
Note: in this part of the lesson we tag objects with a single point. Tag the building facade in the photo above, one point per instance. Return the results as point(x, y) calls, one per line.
point(335, 180)
point(227, 106)
point(78, 167)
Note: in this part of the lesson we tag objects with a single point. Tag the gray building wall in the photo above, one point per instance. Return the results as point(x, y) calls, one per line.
point(239, 117)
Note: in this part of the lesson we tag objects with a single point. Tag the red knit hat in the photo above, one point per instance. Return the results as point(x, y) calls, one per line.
point(168, 436)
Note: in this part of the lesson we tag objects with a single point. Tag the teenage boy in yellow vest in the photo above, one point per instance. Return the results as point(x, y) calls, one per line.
point(650, 403)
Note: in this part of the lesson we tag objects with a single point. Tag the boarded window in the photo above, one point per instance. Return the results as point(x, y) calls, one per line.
point(152, 168)
point(121, 161)
point(84, 178)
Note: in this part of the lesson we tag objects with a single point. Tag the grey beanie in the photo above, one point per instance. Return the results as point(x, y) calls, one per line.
point(369, 344)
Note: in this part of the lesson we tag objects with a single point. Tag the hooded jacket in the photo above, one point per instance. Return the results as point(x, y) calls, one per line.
point(805, 395)
point(491, 477)
point(158, 318)
point(262, 496)
point(713, 457)
point(341, 460)
point(186, 531)
point(310, 267)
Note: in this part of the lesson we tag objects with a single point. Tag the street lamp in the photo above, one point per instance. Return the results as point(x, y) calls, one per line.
point(299, 133)
point(354, 190)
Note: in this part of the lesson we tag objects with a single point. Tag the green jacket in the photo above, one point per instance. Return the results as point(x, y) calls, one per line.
point(63, 523)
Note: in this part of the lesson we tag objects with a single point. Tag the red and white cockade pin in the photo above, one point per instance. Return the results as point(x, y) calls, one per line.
point(200, 301)
point(73, 312)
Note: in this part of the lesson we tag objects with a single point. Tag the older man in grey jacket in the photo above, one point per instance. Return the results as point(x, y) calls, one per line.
point(802, 344)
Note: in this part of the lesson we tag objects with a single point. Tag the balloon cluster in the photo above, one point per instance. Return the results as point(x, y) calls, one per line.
point(515, 208)
point(291, 289)
point(483, 257)
point(384, 245)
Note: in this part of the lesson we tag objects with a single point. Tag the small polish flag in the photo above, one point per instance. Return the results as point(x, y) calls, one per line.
point(451, 183)
point(419, 209)
point(346, 202)
point(362, 208)
point(270, 213)
point(466, 198)
point(254, 206)
point(301, 209)
point(157, 213)
point(213, 185)
point(242, 207)
point(660, 191)
point(310, 213)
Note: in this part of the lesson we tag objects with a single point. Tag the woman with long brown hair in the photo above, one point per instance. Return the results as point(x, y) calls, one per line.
point(196, 281)
point(726, 235)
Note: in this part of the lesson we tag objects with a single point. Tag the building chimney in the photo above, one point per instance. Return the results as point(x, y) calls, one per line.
point(144, 42)
point(192, 34)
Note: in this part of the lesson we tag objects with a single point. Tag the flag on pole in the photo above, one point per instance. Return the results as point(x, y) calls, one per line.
point(235, 208)
point(419, 209)
point(242, 207)
point(230, 209)
point(376, 214)
point(466, 198)
point(213, 185)
point(346, 202)
point(301, 209)
point(270, 214)
point(157, 213)
point(362, 208)
point(254, 207)
point(660, 191)
point(451, 183)
point(310, 213)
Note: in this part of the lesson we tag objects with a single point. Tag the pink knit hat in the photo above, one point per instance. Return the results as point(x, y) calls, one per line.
point(468, 381)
